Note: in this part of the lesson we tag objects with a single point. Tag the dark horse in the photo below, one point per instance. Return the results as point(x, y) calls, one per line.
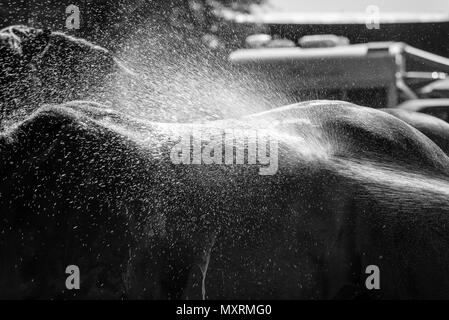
point(38, 66)
point(85, 185)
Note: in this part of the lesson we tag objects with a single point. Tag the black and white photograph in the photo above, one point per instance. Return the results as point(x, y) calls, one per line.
point(246, 151)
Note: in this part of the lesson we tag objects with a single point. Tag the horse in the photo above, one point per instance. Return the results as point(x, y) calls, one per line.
point(83, 184)
point(434, 128)
point(39, 66)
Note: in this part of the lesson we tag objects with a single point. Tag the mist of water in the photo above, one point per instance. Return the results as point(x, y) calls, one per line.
point(179, 79)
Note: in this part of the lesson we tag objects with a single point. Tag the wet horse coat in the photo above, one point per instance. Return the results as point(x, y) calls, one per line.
point(38, 66)
point(86, 185)
point(434, 128)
